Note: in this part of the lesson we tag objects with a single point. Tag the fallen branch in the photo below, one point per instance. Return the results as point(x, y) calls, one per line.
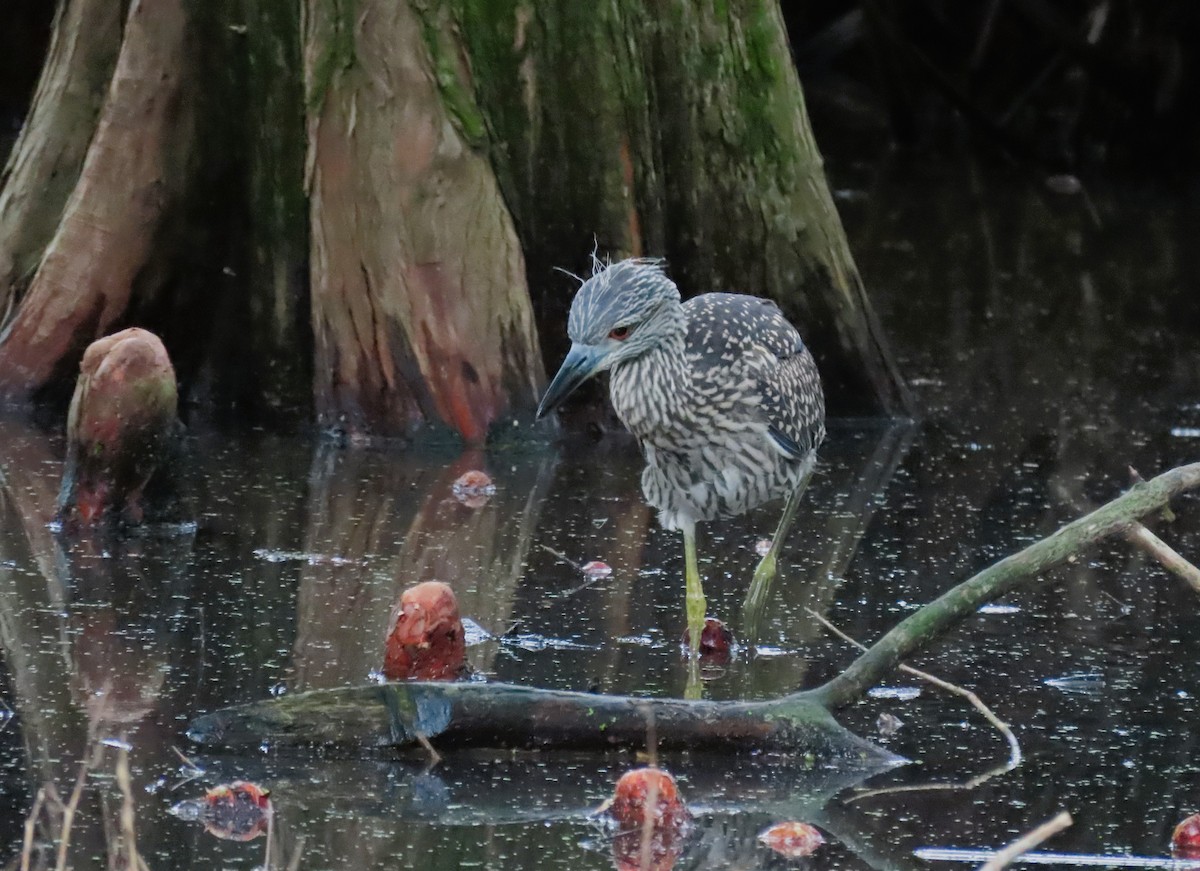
point(1027, 842)
point(502, 715)
point(931, 621)
point(1014, 749)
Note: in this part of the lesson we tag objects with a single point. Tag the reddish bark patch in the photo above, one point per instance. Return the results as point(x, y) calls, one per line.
point(426, 640)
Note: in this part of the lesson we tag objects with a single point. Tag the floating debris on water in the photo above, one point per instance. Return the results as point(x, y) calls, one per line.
point(596, 570)
point(998, 608)
point(534, 642)
point(888, 724)
point(767, 651)
point(637, 640)
point(473, 633)
point(117, 743)
point(762, 546)
point(902, 694)
point(1087, 682)
point(473, 489)
point(792, 840)
point(313, 559)
point(1186, 432)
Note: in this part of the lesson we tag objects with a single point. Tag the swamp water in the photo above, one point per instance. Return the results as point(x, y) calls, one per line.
point(1050, 342)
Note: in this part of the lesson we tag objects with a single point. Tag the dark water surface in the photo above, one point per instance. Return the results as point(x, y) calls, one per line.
point(1051, 342)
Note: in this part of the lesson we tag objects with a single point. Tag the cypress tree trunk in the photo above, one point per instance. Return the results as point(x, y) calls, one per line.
point(448, 143)
point(130, 175)
point(420, 313)
point(666, 129)
point(46, 159)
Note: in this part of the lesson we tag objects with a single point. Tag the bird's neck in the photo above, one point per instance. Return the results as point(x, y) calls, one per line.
point(646, 389)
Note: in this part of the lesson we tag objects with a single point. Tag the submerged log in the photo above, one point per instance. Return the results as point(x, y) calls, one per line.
point(502, 715)
point(122, 430)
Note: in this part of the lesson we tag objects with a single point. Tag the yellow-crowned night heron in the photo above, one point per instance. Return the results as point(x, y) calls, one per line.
point(720, 391)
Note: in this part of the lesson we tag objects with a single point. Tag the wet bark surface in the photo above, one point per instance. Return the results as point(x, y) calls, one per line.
point(420, 314)
point(685, 136)
point(45, 161)
point(129, 176)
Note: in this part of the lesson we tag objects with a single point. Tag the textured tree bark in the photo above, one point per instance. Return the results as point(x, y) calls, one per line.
point(130, 174)
point(420, 313)
point(46, 159)
point(684, 135)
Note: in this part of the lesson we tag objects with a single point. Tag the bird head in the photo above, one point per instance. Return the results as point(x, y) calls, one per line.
point(621, 312)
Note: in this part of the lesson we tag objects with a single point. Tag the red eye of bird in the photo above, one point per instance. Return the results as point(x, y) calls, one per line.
point(620, 334)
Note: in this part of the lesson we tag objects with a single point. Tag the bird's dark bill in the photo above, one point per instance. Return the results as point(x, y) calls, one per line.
point(578, 367)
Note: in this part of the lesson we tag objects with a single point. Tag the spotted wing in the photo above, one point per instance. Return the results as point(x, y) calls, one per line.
point(746, 343)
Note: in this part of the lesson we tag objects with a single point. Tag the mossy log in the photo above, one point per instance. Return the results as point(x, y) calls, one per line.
point(502, 715)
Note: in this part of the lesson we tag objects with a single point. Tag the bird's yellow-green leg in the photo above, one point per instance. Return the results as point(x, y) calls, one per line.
point(764, 574)
point(695, 590)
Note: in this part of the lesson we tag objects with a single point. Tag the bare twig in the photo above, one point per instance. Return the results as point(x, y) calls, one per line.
point(1027, 842)
point(1167, 556)
point(562, 557)
point(297, 853)
point(73, 803)
point(435, 758)
point(646, 848)
point(270, 840)
point(128, 829)
point(30, 825)
point(1014, 749)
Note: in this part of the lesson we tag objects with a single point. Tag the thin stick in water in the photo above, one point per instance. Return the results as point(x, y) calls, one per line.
point(30, 825)
point(1167, 556)
point(1014, 748)
point(1027, 842)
